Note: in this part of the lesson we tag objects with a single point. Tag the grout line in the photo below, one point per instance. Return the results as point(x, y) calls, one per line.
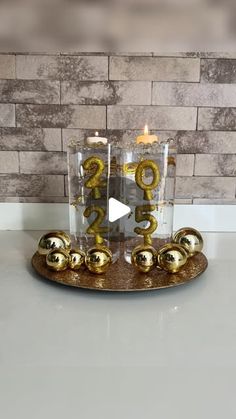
point(152, 82)
point(64, 185)
point(197, 119)
point(60, 92)
point(61, 140)
point(19, 162)
point(106, 118)
point(15, 115)
point(115, 105)
point(108, 68)
point(113, 54)
point(194, 164)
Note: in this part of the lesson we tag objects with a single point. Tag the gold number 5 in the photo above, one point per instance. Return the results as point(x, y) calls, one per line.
point(141, 214)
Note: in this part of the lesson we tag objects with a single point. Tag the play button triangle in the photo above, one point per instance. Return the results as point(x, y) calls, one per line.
point(117, 210)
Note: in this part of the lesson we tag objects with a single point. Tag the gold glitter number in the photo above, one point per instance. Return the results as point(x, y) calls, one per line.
point(95, 182)
point(142, 214)
point(147, 188)
point(95, 228)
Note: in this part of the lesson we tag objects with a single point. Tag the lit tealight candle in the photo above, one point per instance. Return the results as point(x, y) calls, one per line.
point(96, 139)
point(146, 138)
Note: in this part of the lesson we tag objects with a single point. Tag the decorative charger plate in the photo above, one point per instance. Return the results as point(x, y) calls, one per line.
point(121, 276)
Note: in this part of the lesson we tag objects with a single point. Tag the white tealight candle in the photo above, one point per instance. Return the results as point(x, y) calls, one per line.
point(96, 139)
point(146, 138)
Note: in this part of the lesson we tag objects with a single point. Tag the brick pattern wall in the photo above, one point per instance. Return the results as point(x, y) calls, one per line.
point(44, 99)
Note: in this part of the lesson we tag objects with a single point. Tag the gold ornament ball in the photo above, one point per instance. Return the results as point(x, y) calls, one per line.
point(57, 259)
point(77, 258)
point(190, 239)
point(144, 257)
point(53, 240)
point(171, 257)
point(98, 259)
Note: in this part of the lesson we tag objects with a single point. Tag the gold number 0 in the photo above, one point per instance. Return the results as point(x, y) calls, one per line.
point(147, 188)
point(95, 228)
point(95, 182)
point(141, 214)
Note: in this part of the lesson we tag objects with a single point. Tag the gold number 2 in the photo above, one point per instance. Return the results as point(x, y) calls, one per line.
point(95, 182)
point(95, 228)
point(142, 214)
point(147, 188)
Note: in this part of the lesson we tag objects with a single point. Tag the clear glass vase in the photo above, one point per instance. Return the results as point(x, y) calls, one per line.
point(148, 188)
point(92, 180)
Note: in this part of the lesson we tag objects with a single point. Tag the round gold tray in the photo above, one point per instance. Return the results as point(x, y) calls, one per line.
point(122, 276)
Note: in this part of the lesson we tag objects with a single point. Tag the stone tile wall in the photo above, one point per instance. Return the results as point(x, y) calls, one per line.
point(45, 99)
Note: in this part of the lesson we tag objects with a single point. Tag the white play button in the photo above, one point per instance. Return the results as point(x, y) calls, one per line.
point(117, 210)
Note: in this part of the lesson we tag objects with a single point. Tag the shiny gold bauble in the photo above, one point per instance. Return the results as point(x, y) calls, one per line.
point(57, 259)
point(77, 258)
point(144, 257)
point(171, 257)
point(190, 239)
point(53, 240)
point(98, 259)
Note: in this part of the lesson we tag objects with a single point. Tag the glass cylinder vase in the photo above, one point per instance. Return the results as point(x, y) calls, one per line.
point(92, 179)
point(148, 188)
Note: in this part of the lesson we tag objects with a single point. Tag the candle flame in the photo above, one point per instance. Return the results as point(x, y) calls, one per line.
point(146, 132)
point(96, 134)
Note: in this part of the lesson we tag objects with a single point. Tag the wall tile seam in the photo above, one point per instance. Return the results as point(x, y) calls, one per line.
point(112, 54)
point(108, 68)
point(184, 106)
point(61, 139)
point(210, 154)
point(197, 122)
point(18, 153)
point(15, 118)
point(40, 104)
point(214, 130)
point(154, 81)
point(35, 80)
point(194, 163)
point(94, 80)
point(61, 105)
point(123, 131)
point(179, 82)
point(154, 55)
point(206, 176)
point(60, 80)
point(149, 106)
point(212, 176)
point(197, 119)
point(220, 107)
point(59, 54)
point(203, 84)
point(66, 185)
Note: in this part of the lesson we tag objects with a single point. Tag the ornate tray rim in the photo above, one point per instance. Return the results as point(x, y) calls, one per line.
point(136, 282)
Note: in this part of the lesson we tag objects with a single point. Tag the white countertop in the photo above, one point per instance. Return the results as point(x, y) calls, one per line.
point(69, 353)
